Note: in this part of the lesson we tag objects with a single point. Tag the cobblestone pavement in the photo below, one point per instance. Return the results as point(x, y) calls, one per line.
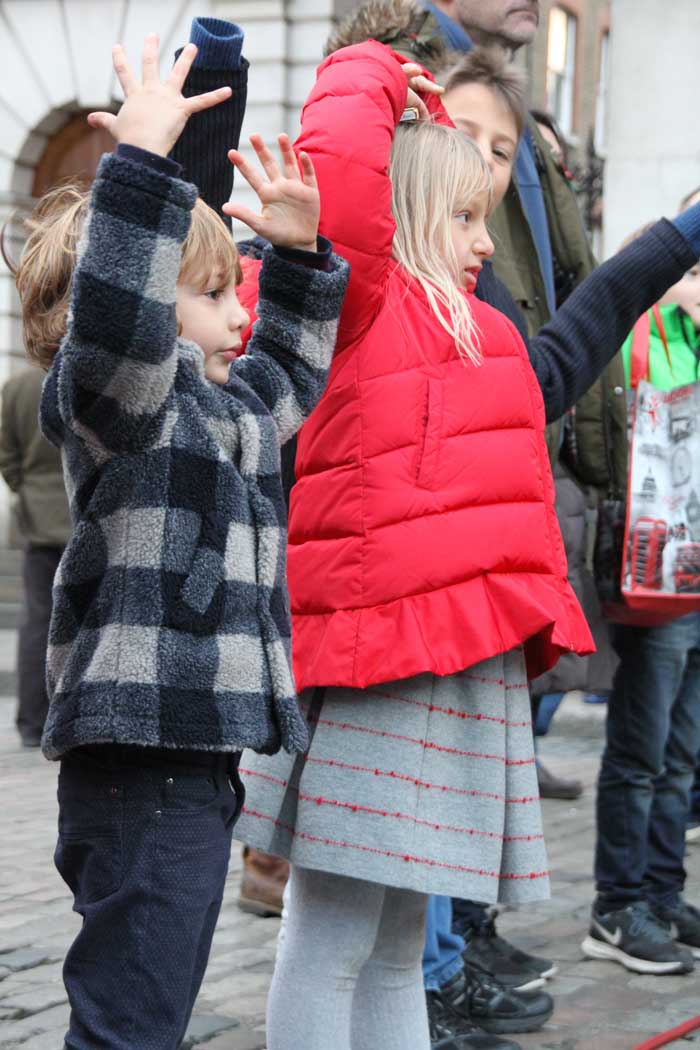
point(599, 1006)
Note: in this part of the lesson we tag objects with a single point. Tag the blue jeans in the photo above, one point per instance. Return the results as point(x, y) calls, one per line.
point(144, 841)
point(442, 955)
point(653, 740)
point(695, 797)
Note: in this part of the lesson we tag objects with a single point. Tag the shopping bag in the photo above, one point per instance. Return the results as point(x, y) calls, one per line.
point(659, 548)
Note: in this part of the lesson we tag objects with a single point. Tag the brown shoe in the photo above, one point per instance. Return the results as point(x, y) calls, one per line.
point(552, 786)
point(263, 882)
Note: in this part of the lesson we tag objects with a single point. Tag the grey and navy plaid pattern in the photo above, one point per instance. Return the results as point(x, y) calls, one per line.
point(171, 622)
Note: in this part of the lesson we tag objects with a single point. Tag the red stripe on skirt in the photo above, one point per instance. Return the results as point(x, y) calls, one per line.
point(506, 876)
point(355, 807)
point(470, 792)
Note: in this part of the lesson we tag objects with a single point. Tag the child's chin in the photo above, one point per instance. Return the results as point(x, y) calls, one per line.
point(217, 374)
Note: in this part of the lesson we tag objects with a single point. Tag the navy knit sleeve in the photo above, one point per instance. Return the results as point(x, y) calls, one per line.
point(572, 350)
point(208, 136)
point(688, 224)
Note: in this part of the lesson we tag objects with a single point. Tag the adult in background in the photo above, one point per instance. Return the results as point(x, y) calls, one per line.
point(32, 469)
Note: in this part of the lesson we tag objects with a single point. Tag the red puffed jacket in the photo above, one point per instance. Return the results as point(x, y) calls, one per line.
point(422, 532)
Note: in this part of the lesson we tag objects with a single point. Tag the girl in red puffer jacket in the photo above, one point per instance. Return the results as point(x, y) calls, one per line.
point(426, 568)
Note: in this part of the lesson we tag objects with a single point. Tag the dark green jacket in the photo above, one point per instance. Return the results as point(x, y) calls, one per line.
point(31, 466)
point(600, 418)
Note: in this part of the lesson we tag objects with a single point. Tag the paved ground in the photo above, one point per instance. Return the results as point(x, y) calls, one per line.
point(599, 1005)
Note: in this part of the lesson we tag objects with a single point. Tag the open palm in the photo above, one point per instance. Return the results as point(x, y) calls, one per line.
point(155, 111)
point(291, 204)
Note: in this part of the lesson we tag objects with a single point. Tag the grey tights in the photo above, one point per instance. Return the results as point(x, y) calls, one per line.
point(348, 974)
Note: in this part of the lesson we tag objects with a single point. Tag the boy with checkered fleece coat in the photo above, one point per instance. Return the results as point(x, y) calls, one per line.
point(170, 641)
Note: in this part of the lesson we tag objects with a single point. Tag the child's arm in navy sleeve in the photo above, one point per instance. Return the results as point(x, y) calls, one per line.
point(202, 147)
point(572, 350)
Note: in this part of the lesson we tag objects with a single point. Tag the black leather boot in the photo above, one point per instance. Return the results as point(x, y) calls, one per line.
point(480, 999)
point(450, 1031)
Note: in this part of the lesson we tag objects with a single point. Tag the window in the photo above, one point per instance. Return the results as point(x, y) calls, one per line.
point(561, 67)
point(601, 104)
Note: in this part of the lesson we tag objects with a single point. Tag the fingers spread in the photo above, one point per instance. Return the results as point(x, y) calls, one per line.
point(123, 70)
point(249, 173)
point(265, 157)
point(210, 98)
point(149, 59)
point(307, 170)
point(289, 160)
point(179, 72)
point(244, 215)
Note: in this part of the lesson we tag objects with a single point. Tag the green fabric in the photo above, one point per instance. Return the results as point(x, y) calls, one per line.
point(600, 420)
point(684, 349)
point(31, 466)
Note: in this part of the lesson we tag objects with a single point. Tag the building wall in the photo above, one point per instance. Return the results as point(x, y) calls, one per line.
point(593, 19)
point(654, 146)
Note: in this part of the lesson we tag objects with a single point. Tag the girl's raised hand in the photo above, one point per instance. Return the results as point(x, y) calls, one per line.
point(418, 83)
point(291, 204)
point(155, 111)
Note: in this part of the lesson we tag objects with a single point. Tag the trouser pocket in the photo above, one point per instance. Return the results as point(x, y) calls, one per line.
point(90, 828)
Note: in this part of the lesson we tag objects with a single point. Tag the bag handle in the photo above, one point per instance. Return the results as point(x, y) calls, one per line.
point(639, 363)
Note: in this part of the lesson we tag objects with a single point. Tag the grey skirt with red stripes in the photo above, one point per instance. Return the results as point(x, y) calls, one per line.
point(426, 784)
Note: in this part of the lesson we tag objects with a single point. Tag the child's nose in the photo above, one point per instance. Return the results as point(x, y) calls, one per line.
point(485, 245)
point(239, 318)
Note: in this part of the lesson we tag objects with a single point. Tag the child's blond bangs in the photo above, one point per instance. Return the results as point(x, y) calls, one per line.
point(209, 252)
point(436, 173)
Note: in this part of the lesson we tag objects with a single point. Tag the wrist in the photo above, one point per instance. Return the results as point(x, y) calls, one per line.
point(166, 165)
point(310, 246)
point(148, 144)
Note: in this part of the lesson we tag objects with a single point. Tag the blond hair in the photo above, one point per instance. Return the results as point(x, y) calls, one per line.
point(45, 272)
point(436, 172)
point(44, 275)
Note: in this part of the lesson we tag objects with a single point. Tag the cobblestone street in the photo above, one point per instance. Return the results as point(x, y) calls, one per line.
point(599, 1006)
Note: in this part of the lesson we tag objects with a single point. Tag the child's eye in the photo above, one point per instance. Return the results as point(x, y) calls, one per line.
point(502, 155)
point(463, 216)
point(214, 294)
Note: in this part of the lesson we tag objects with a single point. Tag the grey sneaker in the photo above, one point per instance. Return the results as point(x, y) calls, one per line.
point(682, 920)
point(635, 937)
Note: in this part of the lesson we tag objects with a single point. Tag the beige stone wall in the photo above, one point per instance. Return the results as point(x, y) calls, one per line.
point(654, 147)
point(593, 18)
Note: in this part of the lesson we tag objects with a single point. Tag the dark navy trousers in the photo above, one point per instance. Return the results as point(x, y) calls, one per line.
point(647, 769)
point(144, 842)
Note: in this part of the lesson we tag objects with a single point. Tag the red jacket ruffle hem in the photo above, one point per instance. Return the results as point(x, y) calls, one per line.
point(422, 532)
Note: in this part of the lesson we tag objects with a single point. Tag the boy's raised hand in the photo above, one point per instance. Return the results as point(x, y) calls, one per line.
point(291, 204)
point(154, 112)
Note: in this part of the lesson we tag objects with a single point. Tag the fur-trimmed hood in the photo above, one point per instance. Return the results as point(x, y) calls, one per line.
point(401, 24)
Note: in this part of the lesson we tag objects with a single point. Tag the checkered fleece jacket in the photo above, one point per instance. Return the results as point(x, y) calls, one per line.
point(171, 622)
